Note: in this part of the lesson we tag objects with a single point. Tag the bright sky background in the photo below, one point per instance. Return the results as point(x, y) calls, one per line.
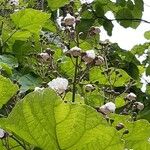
point(127, 38)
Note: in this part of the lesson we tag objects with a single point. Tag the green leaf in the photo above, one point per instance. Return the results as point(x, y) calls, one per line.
point(7, 90)
point(138, 137)
point(9, 60)
point(139, 49)
point(99, 9)
point(67, 67)
point(119, 101)
point(132, 70)
point(147, 35)
point(148, 70)
point(21, 35)
point(28, 82)
point(6, 69)
point(79, 99)
point(108, 26)
point(146, 112)
point(116, 80)
point(122, 3)
point(95, 98)
point(130, 5)
point(124, 17)
point(138, 131)
point(84, 27)
point(45, 121)
point(53, 4)
point(30, 19)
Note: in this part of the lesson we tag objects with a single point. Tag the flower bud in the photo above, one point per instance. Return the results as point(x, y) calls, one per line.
point(119, 126)
point(45, 56)
point(139, 105)
point(2, 133)
point(89, 87)
point(108, 108)
point(131, 96)
point(99, 60)
point(75, 51)
point(69, 20)
point(89, 56)
point(94, 30)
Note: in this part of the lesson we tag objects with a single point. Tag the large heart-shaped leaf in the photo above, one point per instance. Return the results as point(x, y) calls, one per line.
point(43, 120)
point(30, 19)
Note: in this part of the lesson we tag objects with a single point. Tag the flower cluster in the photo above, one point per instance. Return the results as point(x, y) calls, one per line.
point(136, 105)
point(59, 85)
point(89, 57)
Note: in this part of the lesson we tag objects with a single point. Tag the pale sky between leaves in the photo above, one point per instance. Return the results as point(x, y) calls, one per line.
point(127, 38)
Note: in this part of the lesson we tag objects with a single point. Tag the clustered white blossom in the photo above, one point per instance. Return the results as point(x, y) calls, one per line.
point(69, 20)
point(108, 108)
point(131, 96)
point(59, 84)
point(14, 2)
point(89, 56)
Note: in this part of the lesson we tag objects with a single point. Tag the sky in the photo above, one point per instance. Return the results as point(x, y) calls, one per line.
point(127, 38)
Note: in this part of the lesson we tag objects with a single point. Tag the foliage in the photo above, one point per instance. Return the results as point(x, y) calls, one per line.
point(61, 87)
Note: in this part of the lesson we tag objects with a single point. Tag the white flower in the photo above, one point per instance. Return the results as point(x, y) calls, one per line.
point(75, 51)
point(59, 84)
point(38, 89)
point(89, 56)
point(89, 87)
point(44, 56)
point(14, 2)
point(139, 105)
point(131, 96)
point(108, 108)
point(99, 60)
point(86, 1)
point(2, 133)
point(69, 20)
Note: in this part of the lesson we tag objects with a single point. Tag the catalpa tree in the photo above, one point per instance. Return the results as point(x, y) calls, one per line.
point(62, 87)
